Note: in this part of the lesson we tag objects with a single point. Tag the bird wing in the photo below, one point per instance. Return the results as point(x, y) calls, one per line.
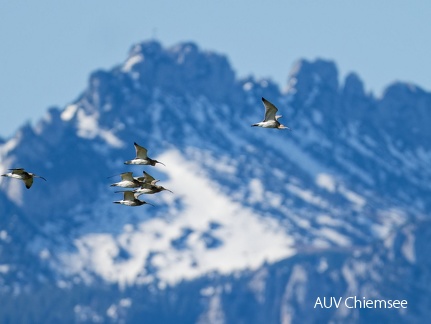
point(270, 110)
point(148, 178)
point(129, 195)
point(141, 152)
point(126, 176)
point(28, 182)
point(20, 171)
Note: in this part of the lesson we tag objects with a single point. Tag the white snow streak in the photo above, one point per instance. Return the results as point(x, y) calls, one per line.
point(150, 242)
point(326, 181)
point(69, 112)
point(131, 62)
point(408, 248)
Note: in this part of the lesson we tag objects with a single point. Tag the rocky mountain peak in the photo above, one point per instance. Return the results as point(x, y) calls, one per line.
point(147, 49)
point(353, 86)
point(183, 68)
point(308, 77)
point(406, 110)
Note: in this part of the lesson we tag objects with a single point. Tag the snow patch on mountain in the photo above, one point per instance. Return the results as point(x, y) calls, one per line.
point(326, 181)
point(210, 233)
point(353, 197)
point(307, 196)
point(131, 62)
point(69, 112)
point(15, 188)
point(87, 124)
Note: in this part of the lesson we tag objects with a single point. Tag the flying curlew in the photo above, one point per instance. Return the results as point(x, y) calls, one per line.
point(270, 120)
point(23, 175)
point(142, 157)
point(127, 181)
point(129, 199)
point(149, 188)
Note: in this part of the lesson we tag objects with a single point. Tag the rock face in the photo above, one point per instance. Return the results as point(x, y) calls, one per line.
point(184, 69)
point(261, 223)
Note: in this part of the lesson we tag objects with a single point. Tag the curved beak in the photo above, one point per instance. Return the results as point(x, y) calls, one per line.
point(284, 127)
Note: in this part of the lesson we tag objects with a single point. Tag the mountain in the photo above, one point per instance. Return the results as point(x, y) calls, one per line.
point(261, 222)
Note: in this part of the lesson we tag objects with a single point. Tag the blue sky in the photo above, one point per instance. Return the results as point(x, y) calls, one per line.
point(49, 47)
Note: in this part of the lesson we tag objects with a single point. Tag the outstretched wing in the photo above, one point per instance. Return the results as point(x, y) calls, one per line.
point(141, 152)
point(126, 176)
point(270, 110)
point(28, 182)
point(19, 171)
point(148, 178)
point(129, 195)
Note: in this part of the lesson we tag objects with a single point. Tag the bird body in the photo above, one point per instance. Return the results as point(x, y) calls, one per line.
point(26, 177)
point(148, 185)
point(127, 181)
point(142, 157)
point(147, 178)
point(271, 119)
point(129, 199)
point(149, 188)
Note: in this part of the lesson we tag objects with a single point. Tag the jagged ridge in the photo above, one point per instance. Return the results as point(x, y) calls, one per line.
point(353, 171)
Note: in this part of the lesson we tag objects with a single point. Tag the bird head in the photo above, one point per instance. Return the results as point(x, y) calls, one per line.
point(153, 162)
point(163, 188)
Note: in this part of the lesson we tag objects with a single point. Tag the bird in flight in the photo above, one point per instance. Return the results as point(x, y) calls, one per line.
point(127, 181)
point(129, 199)
point(271, 119)
point(148, 185)
point(142, 157)
point(23, 175)
point(149, 188)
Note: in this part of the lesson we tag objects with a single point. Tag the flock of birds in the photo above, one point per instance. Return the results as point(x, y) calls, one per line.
point(146, 184)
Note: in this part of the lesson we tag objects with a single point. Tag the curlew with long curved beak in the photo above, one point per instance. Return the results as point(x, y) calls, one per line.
point(129, 199)
point(127, 181)
point(150, 188)
point(26, 177)
point(271, 119)
point(142, 157)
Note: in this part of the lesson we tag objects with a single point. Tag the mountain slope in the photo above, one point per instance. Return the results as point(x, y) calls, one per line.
point(349, 184)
